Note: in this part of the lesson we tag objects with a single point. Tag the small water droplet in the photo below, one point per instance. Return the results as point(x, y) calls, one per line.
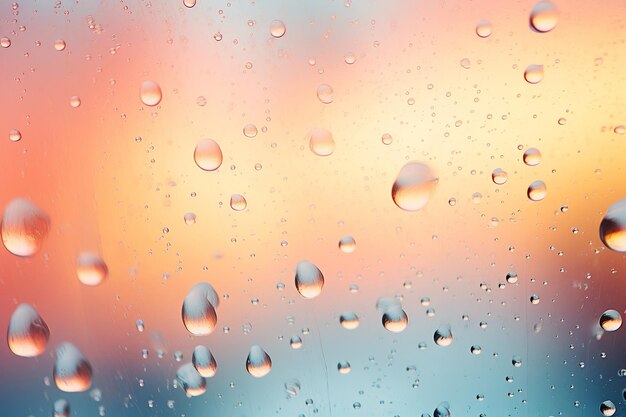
point(533, 73)
point(347, 244)
point(325, 93)
point(91, 269)
point(610, 320)
point(208, 155)
point(151, 94)
point(295, 342)
point(309, 279)
point(387, 139)
point(250, 130)
point(532, 157)
point(537, 191)
point(189, 3)
point(15, 135)
point(28, 333)
point(190, 218)
point(413, 186)
point(24, 227)
point(277, 28)
point(258, 363)
point(5, 42)
point(238, 202)
point(344, 367)
point(484, 28)
point(349, 320)
point(535, 299)
point(395, 319)
point(443, 336)
point(613, 227)
point(321, 142)
point(499, 176)
point(59, 44)
point(75, 101)
point(204, 362)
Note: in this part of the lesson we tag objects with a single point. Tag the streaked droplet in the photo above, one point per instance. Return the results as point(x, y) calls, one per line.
point(198, 312)
point(613, 227)
point(208, 155)
point(321, 142)
point(277, 28)
point(395, 319)
point(543, 17)
point(533, 73)
point(611, 320)
point(250, 130)
point(72, 372)
point(413, 186)
point(484, 28)
point(259, 362)
point(499, 176)
point(607, 408)
point(344, 367)
point(309, 279)
point(28, 333)
point(347, 244)
point(325, 93)
point(193, 383)
point(91, 269)
point(349, 320)
point(238, 202)
point(204, 362)
point(61, 408)
point(532, 157)
point(443, 336)
point(24, 227)
point(537, 191)
point(151, 94)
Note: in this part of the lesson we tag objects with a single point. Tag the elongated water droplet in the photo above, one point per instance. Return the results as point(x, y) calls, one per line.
point(259, 362)
point(24, 227)
point(28, 333)
point(72, 372)
point(91, 269)
point(413, 187)
point(309, 279)
point(321, 142)
point(543, 17)
point(193, 383)
point(484, 28)
point(349, 320)
point(611, 320)
point(533, 73)
point(325, 93)
point(613, 227)
point(499, 176)
point(607, 408)
point(443, 336)
point(61, 408)
point(537, 191)
point(395, 319)
point(238, 202)
point(204, 362)
point(199, 316)
point(208, 155)
point(277, 28)
point(347, 244)
point(532, 157)
point(151, 94)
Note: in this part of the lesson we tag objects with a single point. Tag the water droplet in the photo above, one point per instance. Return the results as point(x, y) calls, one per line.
point(442, 410)
point(499, 176)
point(151, 94)
point(533, 73)
point(199, 316)
point(610, 320)
point(476, 350)
point(295, 342)
point(189, 3)
point(321, 142)
point(72, 372)
point(387, 139)
point(413, 187)
point(61, 408)
point(465, 63)
point(204, 362)
point(5, 42)
point(537, 191)
point(238, 202)
point(193, 383)
point(91, 269)
point(208, 155)
point(347, 244)
point(532, 157)
point(534, 299)
point(259, 362)
point(443, 336)
point(543, 17)
point(15, 135)
point(620, 129)
point(613, 227)
point(511, 277)
point(28, 333)
point(349, 58)
point(516, 361)
point(190, 218)
point(75, 101)
point(292, 388)
point(607, 408)
point(59, 44)
point(484, 28)
point(395, 319)
point(24, 227)
point(250, 130)
point(325, 93)
point(344, 367)
point(349, 320)
point(277, 28)
point(309, 279)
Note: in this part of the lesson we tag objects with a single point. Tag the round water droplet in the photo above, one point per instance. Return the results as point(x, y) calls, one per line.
point(61, 408)
point(309, 279)
point(151, 94)
point(620, 129)
point(24, 227)
point(516, 361)
point(466, 63)
point(204, 362)
point(395, 319)
point(72, 372)
point(499, 176)
point(321, 142)
point(238, 202)
point(533, 73)
point(15, 135)
point(75, 101)
point(199, 316)
point(611, 320)
point(347, 244)
point(259, 362)
point(190, 218)
point(443, 336)
point(28, 333)
point(532, 157)
point(537, 191)
point(543, 17)
point(484, 28)
point(413, 187)
point(613, 227)
point(277, 28)
point(349, 58)
point(511, 277)
point(349, 320)
point(325, 93)
point(476, 350)
point(295, 342)
point(344, 367)
point(91, 269)
point(189, 3)
point(607, 408)
point(443, 410)
point(535, 299)
point(59, 44)
point(387, 139)
point(250, 130)
point(5, 42)
point(193, 383)
point(208, 155)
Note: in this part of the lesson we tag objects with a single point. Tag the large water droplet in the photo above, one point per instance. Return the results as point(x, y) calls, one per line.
point(151, 94)
point(277, 28)
point(24, 227)
point(309, 279)
point(442, 410)
point(321, 142)
point(607, 408)
point(193, 383)
point(91, 269)
point(208, 155)
point(199, 316)
point(349, 320)
point(543, 17)
point(259, 362)
point(484, 28)
point(443, 336)
point(238, 202)
point(325, 93)
point(499, 176)
point(532, 157)
point(613, 227)
point(72, 372)
point(28, 333)
point(347, 244)
point(611, 320)
point(537, 191)
point(204, 362)
point(395, 319)
point(189, 3)
point(61, 408)
point(533, 73)
point(413, 187)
